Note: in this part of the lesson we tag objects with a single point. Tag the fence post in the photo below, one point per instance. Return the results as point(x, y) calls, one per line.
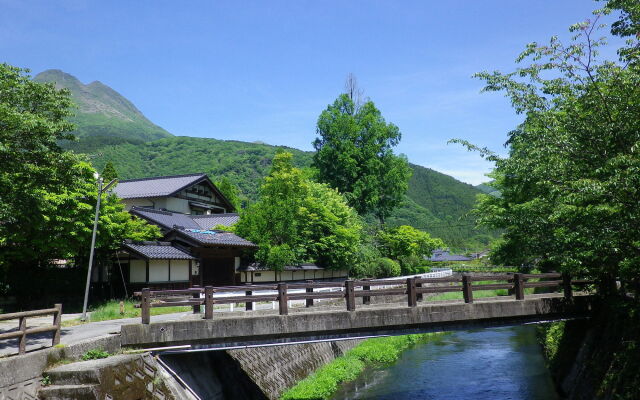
point(282, 298)
point(366, 300)
point(566, 286)
point(411, 292)
point(518, 286)
point(196, 309)
point(145, 306)
point(350, 295)
point(208, 302)
point(467, 292)
point(248, 305)
point(511, 291)
point(419, 296)
point(22, 345)
point(57, 318)
point(309, 302)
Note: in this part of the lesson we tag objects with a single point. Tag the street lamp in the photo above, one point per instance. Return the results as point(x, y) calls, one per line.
point(93, 241)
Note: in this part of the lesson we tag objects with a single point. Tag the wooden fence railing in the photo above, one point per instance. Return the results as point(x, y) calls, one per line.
point(349, 290)
point(23, 331)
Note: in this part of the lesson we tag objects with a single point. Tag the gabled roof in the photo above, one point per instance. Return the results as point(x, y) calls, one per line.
point(207, 238)
point(165, 219)
point(259, 267)
point(443, 255)
point(157, 251)
point(211, 220)
point(156, 186)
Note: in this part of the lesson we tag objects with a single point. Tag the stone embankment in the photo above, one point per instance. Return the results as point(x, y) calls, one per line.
point(250, 373)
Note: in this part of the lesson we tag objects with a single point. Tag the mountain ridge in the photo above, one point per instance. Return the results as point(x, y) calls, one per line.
point(102, 114)
point(111, 128)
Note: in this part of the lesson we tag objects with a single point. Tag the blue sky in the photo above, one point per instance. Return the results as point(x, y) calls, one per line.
point(264, 70)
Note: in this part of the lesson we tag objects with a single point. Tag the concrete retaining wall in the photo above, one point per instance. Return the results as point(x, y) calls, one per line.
point(253, 373)
point(20, 375)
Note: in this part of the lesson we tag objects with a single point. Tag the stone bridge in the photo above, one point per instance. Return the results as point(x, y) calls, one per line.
point(332, 323)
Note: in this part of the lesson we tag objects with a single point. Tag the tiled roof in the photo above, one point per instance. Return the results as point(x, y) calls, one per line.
point(211, 220)
point(207, 237)
point(165, 219)
point(260, 267)
point(157, 251)
point(443, 255)
point(155, 187)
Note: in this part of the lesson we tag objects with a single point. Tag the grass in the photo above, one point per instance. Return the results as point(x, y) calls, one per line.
point(325, 381)
point(111, 310)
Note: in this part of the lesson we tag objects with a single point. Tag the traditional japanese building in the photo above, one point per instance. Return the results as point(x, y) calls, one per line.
point(195, 249)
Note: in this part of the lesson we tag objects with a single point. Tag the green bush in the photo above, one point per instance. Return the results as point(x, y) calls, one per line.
point(385, 267)
point(95, 354)
point(323, 383)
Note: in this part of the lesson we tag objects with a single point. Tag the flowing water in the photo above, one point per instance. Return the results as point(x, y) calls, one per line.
point(496, 364)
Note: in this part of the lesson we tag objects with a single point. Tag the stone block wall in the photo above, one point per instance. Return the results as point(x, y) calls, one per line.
point(274, 369)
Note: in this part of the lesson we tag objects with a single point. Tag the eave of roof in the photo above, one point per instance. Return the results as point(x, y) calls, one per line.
point(157, 251)
point(207, 238)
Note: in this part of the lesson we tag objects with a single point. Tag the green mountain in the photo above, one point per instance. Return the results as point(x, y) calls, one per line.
point(435, 202)
point(103, 116)
point(484, 187)
point(112, 128)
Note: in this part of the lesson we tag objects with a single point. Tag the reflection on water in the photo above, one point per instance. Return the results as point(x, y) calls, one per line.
point(504, 363)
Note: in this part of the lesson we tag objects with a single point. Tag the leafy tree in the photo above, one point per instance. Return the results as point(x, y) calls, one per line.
point(296, 220)
point(230, 191)
point(407, 241)
point(109, 172)
point(571, 184)
point(47, 195)
point(355, 156)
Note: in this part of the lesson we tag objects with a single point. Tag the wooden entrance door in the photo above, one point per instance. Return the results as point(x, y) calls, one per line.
point(218, 271)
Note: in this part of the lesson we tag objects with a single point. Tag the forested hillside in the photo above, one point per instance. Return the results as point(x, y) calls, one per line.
point(112, 129)
point(435, 202)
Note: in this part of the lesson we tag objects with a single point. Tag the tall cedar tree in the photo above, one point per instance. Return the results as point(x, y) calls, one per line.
point(109, 172)
point(355, 155)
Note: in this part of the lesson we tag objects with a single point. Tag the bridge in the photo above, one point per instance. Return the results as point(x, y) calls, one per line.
point(359, 318)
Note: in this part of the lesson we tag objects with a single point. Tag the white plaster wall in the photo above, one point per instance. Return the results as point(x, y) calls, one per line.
point(176, 204)
point(179, 270)
point(158, 270)
point(137, 271)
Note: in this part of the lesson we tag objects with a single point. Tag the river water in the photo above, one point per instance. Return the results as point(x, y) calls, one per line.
point(496, 364)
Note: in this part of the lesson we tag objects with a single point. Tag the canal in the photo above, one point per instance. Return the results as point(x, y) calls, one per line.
point(504, 363)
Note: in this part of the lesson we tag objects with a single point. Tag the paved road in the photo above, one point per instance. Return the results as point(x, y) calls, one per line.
point(78, 333)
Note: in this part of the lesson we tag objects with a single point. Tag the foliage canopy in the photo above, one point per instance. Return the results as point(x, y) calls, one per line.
point(355, 155)
point(571, 184)
point(47, 195)
point(296, 220)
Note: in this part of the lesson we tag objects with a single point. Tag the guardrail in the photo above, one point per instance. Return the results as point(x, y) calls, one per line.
point(23, 331)
point(414, 288)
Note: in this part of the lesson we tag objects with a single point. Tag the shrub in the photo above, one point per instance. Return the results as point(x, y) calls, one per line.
point(95, 354)
point(386, 267)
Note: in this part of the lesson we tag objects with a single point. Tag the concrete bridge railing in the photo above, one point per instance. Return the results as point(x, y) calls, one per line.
point(413, 287)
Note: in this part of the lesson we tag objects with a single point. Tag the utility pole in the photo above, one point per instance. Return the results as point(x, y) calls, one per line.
point(93, 242)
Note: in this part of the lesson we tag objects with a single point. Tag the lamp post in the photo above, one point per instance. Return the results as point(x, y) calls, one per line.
point(93, 241)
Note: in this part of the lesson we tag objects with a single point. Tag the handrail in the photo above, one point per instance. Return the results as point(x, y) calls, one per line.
point(22, 332)
point(349, 290)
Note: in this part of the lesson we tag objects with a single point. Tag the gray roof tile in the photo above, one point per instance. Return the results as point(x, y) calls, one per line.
point(165, 219)
point(157, 251)
point(211, 220)
point(154, 187)
point(207, 237)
